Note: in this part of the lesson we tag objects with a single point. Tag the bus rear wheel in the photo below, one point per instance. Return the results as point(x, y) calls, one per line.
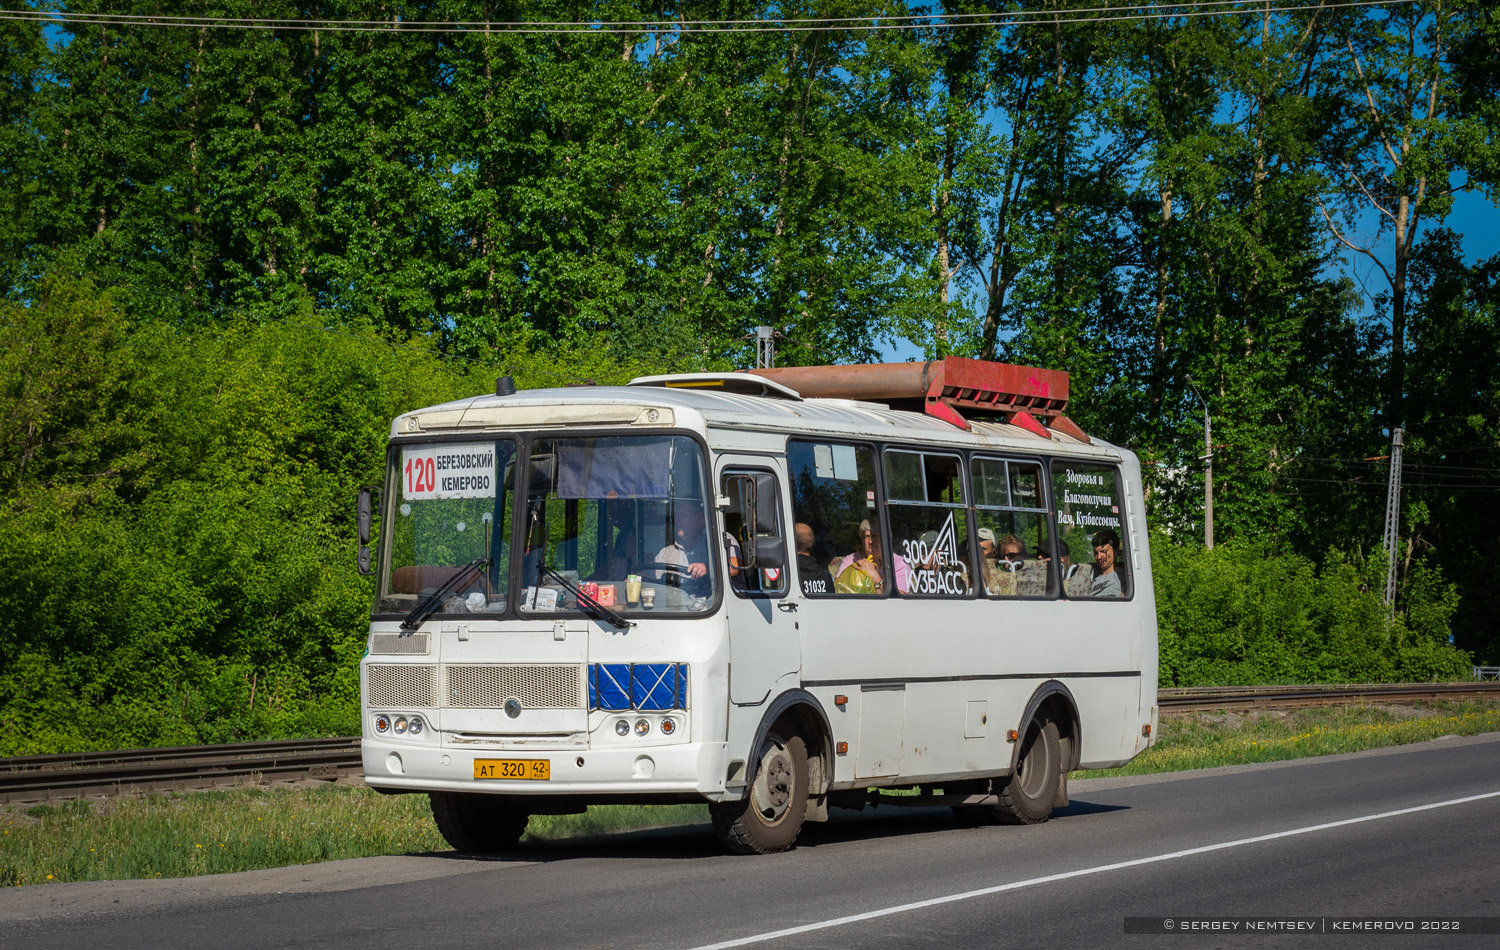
point(768, 819)
point(478, 824)
point(1026, 797)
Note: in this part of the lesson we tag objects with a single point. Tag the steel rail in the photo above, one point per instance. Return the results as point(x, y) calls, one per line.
point(1181, 700)
point(42, 777)
point(39, 777)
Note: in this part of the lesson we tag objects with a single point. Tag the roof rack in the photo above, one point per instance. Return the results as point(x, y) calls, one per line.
point(949, 389)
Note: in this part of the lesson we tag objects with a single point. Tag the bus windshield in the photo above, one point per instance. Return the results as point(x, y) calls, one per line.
point(622, 519)
point(452, 506)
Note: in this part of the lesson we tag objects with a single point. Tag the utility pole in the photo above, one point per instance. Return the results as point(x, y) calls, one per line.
point(1393, 517)
point(765, 347)
point(1208, 470)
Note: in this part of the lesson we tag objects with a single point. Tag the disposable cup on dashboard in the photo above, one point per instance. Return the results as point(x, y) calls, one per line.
point(648, 598)
point(632, 589)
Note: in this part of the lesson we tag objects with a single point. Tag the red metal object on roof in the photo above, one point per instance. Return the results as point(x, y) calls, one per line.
point(948, 389)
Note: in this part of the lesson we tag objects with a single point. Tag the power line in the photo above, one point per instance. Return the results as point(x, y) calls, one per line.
point(398, 24)
point(1411, 466)
point(1190, 9)
point(1361, 486)
point(1449, 420)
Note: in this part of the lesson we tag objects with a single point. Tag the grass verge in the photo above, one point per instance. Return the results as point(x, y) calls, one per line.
point(191, 833)
point(1208, 739)
point(183, 834)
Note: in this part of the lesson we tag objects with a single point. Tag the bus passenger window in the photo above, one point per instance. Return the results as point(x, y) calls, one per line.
point(1091, 528)
point(929, 524)
point(833, 498)
point(1016, 556)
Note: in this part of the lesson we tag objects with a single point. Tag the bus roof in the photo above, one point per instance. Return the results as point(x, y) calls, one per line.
point(708, 409)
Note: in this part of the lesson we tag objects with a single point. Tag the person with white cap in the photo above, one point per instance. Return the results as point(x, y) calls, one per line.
point(987, 549)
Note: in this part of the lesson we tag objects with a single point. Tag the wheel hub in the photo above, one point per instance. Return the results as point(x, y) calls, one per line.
point(779, 781)
point(773, 786)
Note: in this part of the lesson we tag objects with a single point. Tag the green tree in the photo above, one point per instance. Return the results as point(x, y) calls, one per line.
point(1401, 139)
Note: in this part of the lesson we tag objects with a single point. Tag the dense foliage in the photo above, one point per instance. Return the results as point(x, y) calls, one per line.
point(228, 257)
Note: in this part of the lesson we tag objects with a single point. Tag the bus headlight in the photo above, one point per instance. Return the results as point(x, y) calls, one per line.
point(622, 728)
point(400, 725)
point(382, 723)
point(668, 726)
point(416, 726)
point(642, 727)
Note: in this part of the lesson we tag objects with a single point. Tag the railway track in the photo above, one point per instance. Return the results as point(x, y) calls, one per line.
point(42, 777)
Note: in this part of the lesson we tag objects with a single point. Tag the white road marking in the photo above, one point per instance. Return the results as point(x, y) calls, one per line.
point(1016, 885)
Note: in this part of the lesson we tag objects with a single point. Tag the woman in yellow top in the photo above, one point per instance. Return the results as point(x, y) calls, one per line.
point(860, 573)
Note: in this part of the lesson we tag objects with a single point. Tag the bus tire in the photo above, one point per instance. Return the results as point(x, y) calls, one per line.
point(478, 824)
point(1026, 797)
point(770, 815)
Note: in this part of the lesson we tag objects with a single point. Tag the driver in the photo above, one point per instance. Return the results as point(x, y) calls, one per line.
point(689, 552)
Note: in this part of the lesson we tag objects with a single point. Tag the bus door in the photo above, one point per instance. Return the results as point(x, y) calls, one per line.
point(762, 613)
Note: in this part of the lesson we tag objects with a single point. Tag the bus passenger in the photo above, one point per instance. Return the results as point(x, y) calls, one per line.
point(1012, 550)
point(1001, 570)
point(815, 577)
point(737, 580)
point(989, 569)
point(987, 544)
point(860, 573)
point(1106, 554)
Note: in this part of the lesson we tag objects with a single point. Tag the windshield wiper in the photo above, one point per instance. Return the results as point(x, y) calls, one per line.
point(429, 604)
point(543, 570)
point(599, 611)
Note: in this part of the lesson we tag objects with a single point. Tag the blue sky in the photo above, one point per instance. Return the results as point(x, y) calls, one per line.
point(1479, 222)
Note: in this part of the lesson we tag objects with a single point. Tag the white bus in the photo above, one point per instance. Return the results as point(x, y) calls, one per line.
point(754, 591)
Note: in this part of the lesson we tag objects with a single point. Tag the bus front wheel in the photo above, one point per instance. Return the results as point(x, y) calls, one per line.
point(479, 824)
point(768, 819)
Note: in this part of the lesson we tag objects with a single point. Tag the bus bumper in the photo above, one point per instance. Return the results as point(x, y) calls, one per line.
point(696, 768)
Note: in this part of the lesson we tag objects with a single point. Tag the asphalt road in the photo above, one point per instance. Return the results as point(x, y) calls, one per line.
point(1408, 832)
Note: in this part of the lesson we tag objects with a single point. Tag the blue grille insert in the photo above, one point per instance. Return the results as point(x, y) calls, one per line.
point(617, 687)
point(609, 687)
point(654, 686)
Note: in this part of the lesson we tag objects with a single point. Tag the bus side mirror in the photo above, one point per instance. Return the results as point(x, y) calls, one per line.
point(368, 500)
point(770, 554)
point(540, 476)
point(764, 548)
point(765, 516)
point(744, 497)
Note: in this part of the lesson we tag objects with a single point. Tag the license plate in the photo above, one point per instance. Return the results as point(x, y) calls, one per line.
point(532, 769)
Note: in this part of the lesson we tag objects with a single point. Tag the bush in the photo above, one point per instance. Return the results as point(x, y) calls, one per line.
point(1243, 614)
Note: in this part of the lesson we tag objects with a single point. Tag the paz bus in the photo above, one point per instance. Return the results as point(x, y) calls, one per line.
point(773, 591)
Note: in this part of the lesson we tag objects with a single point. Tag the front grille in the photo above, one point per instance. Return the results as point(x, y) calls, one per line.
point(401, 685)
point(536, 687)
point(407, 643)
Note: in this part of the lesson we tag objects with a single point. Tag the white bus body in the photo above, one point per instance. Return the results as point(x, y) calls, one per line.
point(785, 685)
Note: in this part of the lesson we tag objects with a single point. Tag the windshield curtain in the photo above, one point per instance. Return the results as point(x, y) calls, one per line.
point(452, 505)
point(623, 519)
